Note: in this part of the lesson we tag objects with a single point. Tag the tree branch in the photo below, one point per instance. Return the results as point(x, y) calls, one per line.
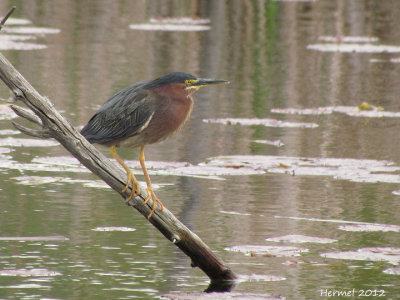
point(26, 114)
point(3, 21)
point(55, 126)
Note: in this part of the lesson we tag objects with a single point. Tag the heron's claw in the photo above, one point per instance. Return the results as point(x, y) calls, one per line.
point(150, 194)
point(135, 185)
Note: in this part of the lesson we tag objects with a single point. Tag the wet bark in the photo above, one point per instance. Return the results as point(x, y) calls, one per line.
point(53, 125)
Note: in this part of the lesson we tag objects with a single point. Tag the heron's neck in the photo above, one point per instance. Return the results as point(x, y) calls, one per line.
point(174, 92)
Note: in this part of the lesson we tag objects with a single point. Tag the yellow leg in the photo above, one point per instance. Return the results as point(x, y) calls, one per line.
point(131, 177)
point(150, 192)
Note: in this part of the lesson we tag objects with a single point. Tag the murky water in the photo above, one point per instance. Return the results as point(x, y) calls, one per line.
point(281, 173)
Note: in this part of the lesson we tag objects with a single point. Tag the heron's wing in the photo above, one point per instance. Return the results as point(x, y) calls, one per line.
point(125, 114)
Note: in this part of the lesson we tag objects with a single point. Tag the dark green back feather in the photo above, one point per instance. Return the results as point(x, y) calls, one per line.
point(122, 116)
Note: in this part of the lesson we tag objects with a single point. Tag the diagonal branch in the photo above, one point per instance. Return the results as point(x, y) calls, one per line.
point(3, 21)
point(55, 126)
point(26, 114)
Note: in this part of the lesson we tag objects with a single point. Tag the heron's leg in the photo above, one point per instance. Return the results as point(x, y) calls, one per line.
point(131, 177)
point(150, 192)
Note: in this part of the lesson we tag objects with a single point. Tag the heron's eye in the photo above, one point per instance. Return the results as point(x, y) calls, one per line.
point(190, 81)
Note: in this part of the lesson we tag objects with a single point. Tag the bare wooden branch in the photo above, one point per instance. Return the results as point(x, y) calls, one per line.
point(43, 134)
point(26, 114)
point(3, 21)
point(222, 278)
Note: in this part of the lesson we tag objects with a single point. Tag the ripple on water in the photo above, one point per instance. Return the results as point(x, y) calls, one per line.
point(353, 111)
point(20, 30)
point(351, 225)
point(297, 238)
point(264, 250)
point(388, 254)
point(111, 228)
point(23, 142)
point(259, 277)
point(356, 170)
point(370, 227)
point(222, 296)
point(29, 272)
point(392, 271)
point(354, 48)
point(26, 286)
point(263, 122)
point(173, 24)
point(34, 238)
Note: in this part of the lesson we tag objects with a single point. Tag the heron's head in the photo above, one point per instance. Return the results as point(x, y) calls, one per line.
point(187, 82)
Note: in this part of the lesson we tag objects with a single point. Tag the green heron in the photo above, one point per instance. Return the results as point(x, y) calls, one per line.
point(144, 113)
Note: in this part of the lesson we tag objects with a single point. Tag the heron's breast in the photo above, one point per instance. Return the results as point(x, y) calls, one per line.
point(168, 119)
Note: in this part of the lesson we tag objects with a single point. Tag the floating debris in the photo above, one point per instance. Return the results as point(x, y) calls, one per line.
point(99, 184)
point(216, 168)
point(19, 34)
point(22, 142)
point(276, 143)
point(111, 228)
point(354, 111)
point(26, 286)
point(222, 296)
point(330, 221)
point(267, 251)
point(292, 262)
point(168, 27)
point(370, 227)
point(305, 111)
point(190, 21)
point(354, 48)
point(367, 106)
point(393, 60)
point(6, 113)
point(3, 157)
point(296, 238)
point(110, 248)
point(31, 30)
point(69, 161)
point(34, 238)
point(39, 180)
point(8, 42)
point(392, 271)
point(348, 39)
point(9, 132)
point(17, 21)
point(376, 60)
point(70, 164)
point(356, 170)
point(234, 213)
point(263, 122)
point(205, 171)
point(294, 0)
point(259, 277)
point(173, 24)
point(29, 272)
point(388, 254)
point(397, 192)
point(14, 165)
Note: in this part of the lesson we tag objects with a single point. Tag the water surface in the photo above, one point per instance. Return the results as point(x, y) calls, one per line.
point(64, 235)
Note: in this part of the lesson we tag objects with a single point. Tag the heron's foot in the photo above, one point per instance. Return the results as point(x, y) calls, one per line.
point(150, 194)
point(135, 186)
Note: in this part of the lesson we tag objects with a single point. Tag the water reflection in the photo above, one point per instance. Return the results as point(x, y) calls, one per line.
point(261, 47)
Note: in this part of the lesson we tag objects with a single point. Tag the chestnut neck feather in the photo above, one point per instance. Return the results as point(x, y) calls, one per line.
point(174, 108)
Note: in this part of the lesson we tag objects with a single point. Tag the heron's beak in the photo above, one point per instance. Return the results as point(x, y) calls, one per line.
point(206, 82)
